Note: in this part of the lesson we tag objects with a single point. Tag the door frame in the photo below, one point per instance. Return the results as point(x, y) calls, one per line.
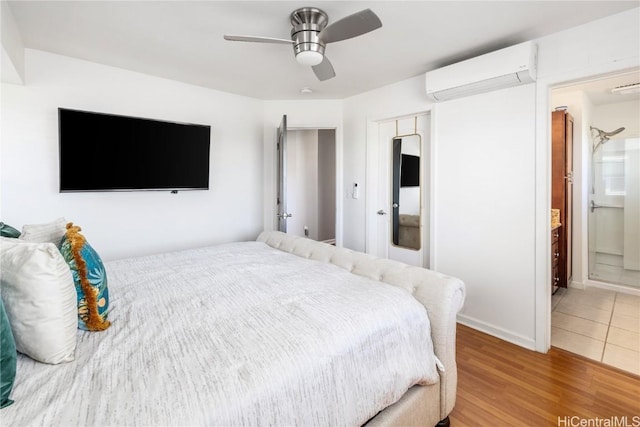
point(372, 203)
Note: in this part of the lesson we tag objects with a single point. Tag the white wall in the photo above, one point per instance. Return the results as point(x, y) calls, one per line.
point(485, 207)
point(132, 223)
point(626, 114)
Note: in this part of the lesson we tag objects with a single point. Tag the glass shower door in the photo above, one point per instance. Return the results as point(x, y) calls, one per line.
point(614, 212)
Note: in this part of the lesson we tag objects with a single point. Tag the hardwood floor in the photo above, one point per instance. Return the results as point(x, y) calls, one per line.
point(501, 384)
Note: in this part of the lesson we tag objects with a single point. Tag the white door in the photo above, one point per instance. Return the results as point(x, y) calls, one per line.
point(403, 183)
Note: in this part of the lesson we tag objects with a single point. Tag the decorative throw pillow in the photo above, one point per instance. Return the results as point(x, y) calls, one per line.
point(50, 232)
point(90, 278)
point(40, 300)
point(8, 231)
point(8, 358)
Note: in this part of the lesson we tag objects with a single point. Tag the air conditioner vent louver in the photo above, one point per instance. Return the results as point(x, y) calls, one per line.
point(507, 67)
point(626, 89)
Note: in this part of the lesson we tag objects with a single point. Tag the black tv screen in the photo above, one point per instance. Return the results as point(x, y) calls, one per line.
point(410, 171)
point(105, 152)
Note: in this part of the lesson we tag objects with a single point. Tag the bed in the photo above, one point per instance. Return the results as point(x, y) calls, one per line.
point(280, 331)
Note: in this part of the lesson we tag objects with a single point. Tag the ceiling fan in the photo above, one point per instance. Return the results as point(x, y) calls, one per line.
point(310, 35)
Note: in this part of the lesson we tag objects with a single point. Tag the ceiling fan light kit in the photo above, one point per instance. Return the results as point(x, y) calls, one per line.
point(310, 34)
point(307, 23)
point(309, 57)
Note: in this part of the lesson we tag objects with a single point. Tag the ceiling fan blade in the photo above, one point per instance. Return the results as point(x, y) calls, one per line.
point(257, 39)
point(324, 70)
point(351, 26)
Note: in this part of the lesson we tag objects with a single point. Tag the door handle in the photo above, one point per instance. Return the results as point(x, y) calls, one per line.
point(395, 206)
point(381, 212)
point(595, 206)
point(285, 215)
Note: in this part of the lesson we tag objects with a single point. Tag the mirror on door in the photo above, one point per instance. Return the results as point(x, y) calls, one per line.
point(406, 191)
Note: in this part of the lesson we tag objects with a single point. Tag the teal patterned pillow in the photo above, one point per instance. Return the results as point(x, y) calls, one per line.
point(8, 357)
point(8, 231)
point(90, 278)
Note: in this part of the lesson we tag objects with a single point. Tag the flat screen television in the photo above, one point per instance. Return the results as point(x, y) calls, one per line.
point(107, 152)
point(410, 171)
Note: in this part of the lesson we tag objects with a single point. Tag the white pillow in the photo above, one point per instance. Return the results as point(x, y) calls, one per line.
point(40, 300)
point(51, 232)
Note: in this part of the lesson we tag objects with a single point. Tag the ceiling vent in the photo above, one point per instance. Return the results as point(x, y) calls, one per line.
point(626, 89)
point(512, 66)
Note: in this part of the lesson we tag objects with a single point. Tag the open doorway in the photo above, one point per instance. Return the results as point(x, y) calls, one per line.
point(311, 184)
point(306, 198)
point(598, 315)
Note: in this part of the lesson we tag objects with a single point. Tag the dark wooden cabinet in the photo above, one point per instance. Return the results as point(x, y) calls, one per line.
point(555, 258)
point(562, 188)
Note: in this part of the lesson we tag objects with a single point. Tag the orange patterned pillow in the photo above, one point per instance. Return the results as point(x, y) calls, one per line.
point(90, 278)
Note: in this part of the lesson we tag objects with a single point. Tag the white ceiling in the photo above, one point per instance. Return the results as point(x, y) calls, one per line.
point(182, 40)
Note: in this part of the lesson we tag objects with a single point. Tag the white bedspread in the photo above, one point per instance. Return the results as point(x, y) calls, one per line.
point(236, 334)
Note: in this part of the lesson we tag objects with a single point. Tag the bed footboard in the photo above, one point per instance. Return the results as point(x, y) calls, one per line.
point(442, 295)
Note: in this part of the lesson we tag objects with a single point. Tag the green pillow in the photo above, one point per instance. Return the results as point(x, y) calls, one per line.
point(8, 358)
point(8, 231)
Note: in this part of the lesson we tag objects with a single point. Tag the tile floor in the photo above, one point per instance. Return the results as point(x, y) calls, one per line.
point(599, 324)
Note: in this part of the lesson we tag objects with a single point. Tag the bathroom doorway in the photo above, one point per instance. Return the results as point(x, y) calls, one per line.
point(606, 180)
point(598, 316)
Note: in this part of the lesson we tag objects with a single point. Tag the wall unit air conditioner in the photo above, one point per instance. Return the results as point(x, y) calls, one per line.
point(511, 66)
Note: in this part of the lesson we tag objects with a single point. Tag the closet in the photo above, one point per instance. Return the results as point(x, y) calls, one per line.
point(562, 189)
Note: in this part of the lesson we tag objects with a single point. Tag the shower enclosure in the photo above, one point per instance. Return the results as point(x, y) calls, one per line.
point(614, 209)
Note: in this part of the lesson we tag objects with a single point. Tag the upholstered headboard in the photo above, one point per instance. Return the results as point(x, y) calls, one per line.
point(442, 295)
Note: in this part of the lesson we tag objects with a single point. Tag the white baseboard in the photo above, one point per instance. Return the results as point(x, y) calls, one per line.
point(612, 287)
point(577, 285)
point(497, 332)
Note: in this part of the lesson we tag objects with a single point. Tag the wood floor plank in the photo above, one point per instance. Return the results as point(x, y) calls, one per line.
point(500, 383)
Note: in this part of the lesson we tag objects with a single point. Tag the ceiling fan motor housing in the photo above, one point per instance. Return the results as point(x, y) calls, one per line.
point(307, 23)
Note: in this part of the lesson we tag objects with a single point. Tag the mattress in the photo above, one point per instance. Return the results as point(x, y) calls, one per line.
point(235, 334)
